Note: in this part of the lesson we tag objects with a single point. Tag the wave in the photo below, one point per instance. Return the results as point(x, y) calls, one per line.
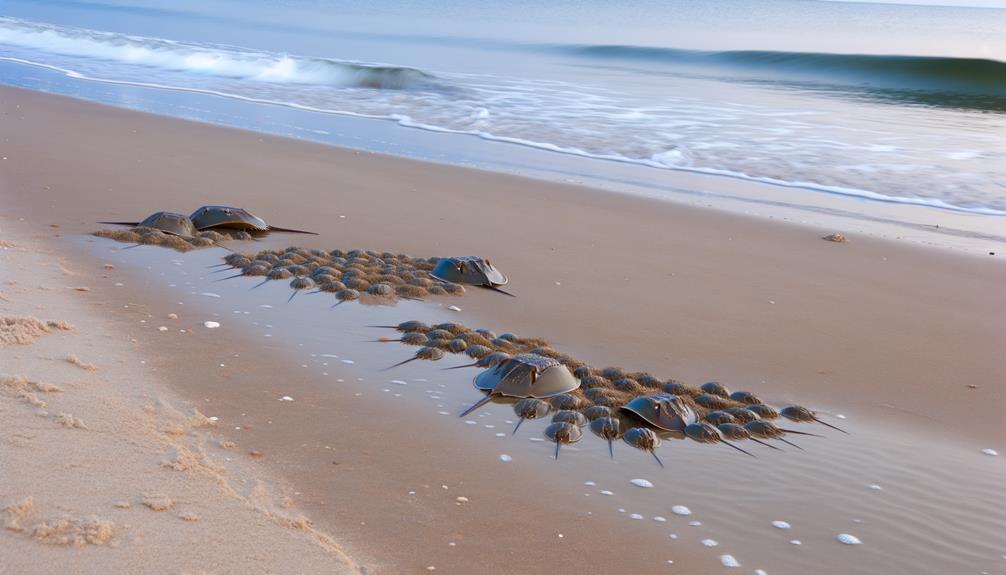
point(949, 75)
point(209, 60)
point(665, 161)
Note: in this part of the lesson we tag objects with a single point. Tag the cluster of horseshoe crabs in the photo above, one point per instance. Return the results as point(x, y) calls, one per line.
point(636, 407)
point(353, 274)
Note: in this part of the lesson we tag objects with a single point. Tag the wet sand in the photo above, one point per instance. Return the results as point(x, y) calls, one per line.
point(890, 335)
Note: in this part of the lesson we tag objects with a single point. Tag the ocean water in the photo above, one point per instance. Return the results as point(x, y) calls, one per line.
point(887, 104)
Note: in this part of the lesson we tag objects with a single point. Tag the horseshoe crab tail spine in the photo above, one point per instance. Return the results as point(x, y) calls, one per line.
point(460, 366)
point(831, 426)
point(225, 264)
point(338, 303)
point(229, 277)
point(557, 444)
point(516, 427)
point(261, 283)
point(397, 364)
point(131, 247)
point(290, 299)
point(290, 231)
point(788, 442)
point(735, 447)
point(497, 289)
point(476, 405)
point(765, 444)
point(801, 433)
point(654, 454)
point(611, 450)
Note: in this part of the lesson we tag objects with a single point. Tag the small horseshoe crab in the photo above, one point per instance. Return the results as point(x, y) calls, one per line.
point(767, 430)
point(472, 270)
point(704, 432)
point(426, 352)
point(801, 414)
point(530, 408)
point(209, 217)
point(562, 432)
point(168, 222)
point(524, 375)
point(735, 432)
point(645, 439)
point(607, 428)
point(663, 411)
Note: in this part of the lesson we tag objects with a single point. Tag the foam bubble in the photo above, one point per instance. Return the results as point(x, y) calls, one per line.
point(729, 561)
point(848, 539)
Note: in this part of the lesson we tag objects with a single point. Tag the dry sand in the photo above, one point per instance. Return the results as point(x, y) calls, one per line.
point(893, 333)
point(113, 460)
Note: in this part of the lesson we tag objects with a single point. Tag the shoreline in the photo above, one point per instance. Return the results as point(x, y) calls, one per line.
point(923, 225)
point(681, 291)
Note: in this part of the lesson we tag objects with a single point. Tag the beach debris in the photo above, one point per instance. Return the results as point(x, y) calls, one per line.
point(211, 324)
point(505, 458)
point(989, 451)
point(562, 433)
point(286, 398)
point(847, 539)
point(641, 483)
point(215, 217)
point(837, 238)
point(781, 525)
point(524, 376)
point(471, 270)
point(681, 510)
point(710, 543)
point(24, 330)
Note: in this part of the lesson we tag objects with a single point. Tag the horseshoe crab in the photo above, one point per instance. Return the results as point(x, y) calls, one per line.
point(763, 411)
point(703, 432)
point(408, 338)
point(801, 414)
point(597, 411)
point(168, 222)
point(768, 430)
point(426, 352)
point(472, 270)
point(715, 388)
point(663, 411)
point(607, 428)
point(561, 433)
point(570, 416)
point(299, 283)
point(406, 326)
point(524, 375)
point(735, 432)
point(530, 408)
point(745, 397)
point(208, 217)
point(645, 439)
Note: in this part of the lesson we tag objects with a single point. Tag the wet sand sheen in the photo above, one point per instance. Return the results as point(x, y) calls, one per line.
point(849, 325)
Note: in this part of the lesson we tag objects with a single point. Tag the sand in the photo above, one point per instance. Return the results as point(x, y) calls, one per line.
point(890, 333)
point(112, 459)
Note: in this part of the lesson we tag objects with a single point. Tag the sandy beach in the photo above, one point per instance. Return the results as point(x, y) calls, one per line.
point(905, 343)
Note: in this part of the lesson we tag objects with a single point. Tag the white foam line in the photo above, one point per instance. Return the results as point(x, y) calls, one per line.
point(407, 122)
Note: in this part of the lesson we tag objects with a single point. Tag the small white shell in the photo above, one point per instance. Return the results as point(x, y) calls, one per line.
point(681, 510)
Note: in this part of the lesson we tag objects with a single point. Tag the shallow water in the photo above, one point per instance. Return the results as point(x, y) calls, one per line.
point(802, 95)
point(918, 502)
